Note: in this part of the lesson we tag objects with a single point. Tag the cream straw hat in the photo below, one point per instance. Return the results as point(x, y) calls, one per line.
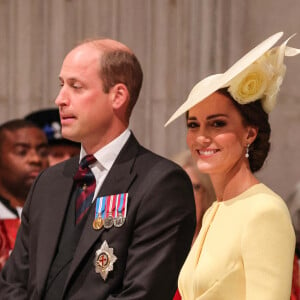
point(256, 76)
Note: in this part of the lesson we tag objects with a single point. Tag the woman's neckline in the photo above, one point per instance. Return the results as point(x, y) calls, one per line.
point(241, 194)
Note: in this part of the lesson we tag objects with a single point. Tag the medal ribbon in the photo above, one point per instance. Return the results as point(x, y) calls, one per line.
point(121, 205)
point(100, 207)
point(113, 205)
point(110, 205)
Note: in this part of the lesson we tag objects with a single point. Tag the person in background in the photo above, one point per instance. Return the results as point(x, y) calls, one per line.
point(60, 148)
point(245, 248)
point(23, 155)
point(293, 203)
point(204, 193)
point(116, 222)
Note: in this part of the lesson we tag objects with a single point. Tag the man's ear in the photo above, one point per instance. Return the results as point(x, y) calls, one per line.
point(119, 95)
point(252, 134)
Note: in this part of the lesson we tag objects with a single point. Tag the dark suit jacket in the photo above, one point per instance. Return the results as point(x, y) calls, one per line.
point(150, 247)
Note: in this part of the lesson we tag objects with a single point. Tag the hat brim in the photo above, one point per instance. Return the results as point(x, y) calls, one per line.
point(212, 83)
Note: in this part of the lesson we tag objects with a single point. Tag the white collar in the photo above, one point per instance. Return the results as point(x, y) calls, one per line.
point(108, 154)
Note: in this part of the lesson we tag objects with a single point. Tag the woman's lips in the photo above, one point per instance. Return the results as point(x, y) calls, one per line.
point(207, 152)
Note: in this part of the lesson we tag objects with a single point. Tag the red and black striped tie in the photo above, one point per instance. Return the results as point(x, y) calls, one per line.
point(85, 183)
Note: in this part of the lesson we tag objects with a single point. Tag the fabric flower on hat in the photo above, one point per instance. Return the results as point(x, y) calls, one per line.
point(262, 79)
point(274, 60)
point(250, 85)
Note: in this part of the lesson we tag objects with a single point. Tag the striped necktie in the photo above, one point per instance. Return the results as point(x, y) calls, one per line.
point(85, 186)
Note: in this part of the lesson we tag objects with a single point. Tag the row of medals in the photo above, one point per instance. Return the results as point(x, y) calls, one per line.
point(108, 222)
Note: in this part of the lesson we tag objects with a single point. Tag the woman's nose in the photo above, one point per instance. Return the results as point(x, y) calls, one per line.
point(203, 139)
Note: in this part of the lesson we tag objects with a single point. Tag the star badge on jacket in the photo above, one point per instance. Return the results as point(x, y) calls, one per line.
point(104, 260)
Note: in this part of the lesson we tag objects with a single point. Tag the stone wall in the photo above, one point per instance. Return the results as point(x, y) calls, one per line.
point(178, 42)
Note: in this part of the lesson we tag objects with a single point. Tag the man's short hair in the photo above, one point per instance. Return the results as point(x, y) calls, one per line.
point(14, 125)
point(121, 66)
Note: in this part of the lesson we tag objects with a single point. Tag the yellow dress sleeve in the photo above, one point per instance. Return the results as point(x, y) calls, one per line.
point(267, 246)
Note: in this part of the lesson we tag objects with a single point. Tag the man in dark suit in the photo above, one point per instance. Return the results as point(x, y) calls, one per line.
point(131, 242)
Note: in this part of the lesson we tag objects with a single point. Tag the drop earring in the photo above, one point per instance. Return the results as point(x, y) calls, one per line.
point(247, 151)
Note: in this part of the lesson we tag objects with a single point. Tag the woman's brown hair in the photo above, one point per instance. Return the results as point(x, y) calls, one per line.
point(253, 114)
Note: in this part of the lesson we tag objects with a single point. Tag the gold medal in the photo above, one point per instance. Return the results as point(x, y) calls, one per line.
point(98, 223)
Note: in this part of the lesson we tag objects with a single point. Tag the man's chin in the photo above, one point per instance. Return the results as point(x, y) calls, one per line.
point(29, 181)
point(68, 136)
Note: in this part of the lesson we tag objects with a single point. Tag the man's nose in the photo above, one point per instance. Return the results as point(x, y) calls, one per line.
point(62, 97)
point(34, 156)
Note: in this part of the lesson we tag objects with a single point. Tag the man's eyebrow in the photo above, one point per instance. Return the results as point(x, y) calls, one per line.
point(21, 144)
point(69, 79)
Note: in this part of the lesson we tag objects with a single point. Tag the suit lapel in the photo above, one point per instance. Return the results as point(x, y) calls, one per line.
point(53, 221)
point(118, 180)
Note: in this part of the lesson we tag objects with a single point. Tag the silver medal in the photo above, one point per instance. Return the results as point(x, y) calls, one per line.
point(108, 222)
point(119, 221)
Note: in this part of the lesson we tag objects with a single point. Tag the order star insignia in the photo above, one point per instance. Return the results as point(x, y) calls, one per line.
point(104, 260)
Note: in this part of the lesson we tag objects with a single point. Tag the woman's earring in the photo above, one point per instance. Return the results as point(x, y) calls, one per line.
point(247, 151)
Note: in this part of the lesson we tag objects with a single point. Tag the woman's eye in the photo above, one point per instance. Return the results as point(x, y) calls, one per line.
point(192, 125)
point(218, 123)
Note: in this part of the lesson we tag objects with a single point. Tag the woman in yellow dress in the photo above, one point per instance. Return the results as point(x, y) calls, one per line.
point(246, 244)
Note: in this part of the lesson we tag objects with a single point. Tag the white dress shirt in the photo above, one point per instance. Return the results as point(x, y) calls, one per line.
point(106, 156)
